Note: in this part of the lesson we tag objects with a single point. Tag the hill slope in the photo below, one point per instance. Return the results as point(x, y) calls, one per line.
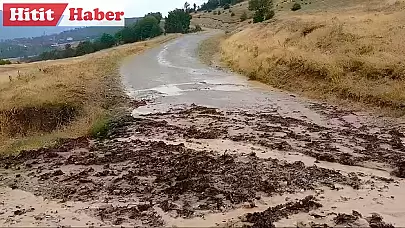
point(338, 50)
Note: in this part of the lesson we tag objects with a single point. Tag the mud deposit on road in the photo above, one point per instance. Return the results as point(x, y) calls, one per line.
point(187, 163)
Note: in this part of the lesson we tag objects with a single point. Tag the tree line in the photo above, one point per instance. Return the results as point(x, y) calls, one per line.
point(177, 21)
point(4, 62)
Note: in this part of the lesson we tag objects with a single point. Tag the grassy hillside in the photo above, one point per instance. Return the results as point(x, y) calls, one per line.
point(338, 50)
point(48, 101)
point(228, 20)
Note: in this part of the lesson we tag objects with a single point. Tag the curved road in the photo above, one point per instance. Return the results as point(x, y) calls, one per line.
point(173, 75)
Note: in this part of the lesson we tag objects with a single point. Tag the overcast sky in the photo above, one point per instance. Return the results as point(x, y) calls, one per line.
point(132, 8)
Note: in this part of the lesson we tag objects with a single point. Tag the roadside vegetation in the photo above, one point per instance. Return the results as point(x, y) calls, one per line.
point(214, 4)
point(178, 21)
point(263, 10)
point(145, 28)
point(343, 51)
point(47, 102)
point(4, 62)
point(44, 102)
point(353, 55)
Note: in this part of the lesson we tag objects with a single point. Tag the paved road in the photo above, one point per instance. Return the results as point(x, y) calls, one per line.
point(173, 75)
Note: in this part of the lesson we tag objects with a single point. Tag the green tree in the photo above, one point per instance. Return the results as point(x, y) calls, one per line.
point(4, 62)
point(107, 41)
point(84, 47)
point(186, 6)
point(178, 21)
point(157, 15)
point(68, 52)
point(126, 35)
point(147, 27)
point(262, 9)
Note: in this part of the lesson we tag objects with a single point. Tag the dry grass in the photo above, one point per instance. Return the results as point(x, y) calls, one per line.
point(209, 49)
point(52, 100)
point(224, 21)
point(353, 54)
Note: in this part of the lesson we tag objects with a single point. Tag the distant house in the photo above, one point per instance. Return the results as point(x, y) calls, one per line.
point(69, 39)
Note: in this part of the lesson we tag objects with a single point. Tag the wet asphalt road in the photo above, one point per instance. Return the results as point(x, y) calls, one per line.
point(172, 75)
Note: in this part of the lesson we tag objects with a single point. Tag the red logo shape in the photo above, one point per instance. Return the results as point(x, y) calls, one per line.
point(32, 14)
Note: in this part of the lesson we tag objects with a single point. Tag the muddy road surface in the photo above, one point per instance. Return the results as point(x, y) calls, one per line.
point(206, 148)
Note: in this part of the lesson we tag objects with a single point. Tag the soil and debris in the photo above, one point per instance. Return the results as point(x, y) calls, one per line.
point(174, 165)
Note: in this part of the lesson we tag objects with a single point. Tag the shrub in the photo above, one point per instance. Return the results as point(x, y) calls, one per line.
point(227, 6)
point(100, 128)
point(243, 17)
point(197, 28)
point(270, 15)
point(214, 12)
point(4, 62)
point(219, 12)
point(178, 21)
point(296, 7)
point(258, 17)
point(232, 14)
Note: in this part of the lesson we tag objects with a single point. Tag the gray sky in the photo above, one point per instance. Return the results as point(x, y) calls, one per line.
point(132, 8)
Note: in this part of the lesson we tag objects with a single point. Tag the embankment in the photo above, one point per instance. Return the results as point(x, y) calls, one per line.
point(353, 55)
point(52, 100)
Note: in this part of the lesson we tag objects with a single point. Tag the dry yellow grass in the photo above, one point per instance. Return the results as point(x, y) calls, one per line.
point(225, 21)
point(354, 53)
point(52, 100)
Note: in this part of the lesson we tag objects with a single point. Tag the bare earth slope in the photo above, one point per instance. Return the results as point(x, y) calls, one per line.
point(205, 147)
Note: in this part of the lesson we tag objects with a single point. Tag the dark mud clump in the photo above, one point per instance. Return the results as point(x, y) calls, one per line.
point(345, 219)
point(194, 132)
point(144, 215)
point(346, 144)
point(400, 170)
point(44, 154)
point(266, 218)
point(376, 221)
point(180, 180)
